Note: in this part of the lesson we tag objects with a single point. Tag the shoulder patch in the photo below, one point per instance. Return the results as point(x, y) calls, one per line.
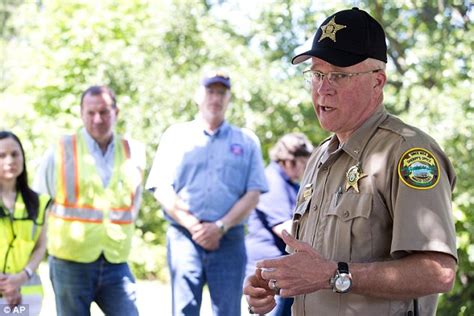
point(418, 169)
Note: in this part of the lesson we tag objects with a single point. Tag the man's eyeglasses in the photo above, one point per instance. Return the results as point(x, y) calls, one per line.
point(335, 79)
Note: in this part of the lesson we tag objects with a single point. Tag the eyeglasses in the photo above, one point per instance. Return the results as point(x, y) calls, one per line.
point(335, 79)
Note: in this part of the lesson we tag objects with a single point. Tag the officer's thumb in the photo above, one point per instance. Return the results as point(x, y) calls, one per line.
point(293, 243)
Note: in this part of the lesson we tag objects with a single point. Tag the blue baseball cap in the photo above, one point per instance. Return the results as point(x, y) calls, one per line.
point(216, 77)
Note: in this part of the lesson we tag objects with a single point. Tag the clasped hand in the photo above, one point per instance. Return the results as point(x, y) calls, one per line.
point(301, 272)
point(10, 285)
point(206, 235)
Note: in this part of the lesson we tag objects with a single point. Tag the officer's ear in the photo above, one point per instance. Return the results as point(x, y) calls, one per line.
point(380, 79)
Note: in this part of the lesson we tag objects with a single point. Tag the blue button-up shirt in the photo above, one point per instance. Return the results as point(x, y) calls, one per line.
point(210, 172)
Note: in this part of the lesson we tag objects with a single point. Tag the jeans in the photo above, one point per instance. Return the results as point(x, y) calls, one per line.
point(191, 267)
point(77, 285)
point(283, 307)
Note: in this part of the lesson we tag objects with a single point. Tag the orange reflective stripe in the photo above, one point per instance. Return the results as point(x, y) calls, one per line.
point(122, 222)
point(126, 148)
point(62, 171)
point(76, 172)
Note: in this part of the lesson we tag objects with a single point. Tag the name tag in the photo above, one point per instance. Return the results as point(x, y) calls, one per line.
point(308, 191)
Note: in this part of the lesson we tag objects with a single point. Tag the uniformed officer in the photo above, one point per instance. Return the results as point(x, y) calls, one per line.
point(373, 232)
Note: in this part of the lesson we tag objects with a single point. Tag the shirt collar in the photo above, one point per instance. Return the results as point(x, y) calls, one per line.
point(92, 144)
point(356, 143)
point(221, 130)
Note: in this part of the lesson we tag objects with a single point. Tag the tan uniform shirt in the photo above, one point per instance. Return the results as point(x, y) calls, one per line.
point(405, 183)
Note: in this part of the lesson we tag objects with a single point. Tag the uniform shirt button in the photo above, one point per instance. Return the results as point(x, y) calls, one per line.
point(346, 214)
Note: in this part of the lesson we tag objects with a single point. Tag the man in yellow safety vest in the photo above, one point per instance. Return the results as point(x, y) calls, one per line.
point(94, 178)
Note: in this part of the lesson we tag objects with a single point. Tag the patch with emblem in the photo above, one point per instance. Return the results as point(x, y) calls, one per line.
point(418, 169)
point(236, 149)
point(353, 175)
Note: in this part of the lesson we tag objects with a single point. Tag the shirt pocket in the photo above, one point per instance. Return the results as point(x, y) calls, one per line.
point(234, 175)
point(347, 232)
point(298, 214)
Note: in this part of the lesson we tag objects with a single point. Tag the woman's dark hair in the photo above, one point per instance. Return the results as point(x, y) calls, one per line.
point(29, 196)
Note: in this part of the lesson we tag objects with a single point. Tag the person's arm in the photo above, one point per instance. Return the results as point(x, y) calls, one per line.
point(418, 274)
point(176, 208)
point(39, 250)
point(208, 235)
point(161, 177)
point(44, 181)
point(241, 209)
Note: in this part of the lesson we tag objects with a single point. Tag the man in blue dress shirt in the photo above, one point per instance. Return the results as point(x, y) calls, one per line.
point(208, 176)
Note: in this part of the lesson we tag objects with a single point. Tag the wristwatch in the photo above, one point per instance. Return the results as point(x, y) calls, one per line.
point(29, 272)
point(341, 282)
point(220, 224)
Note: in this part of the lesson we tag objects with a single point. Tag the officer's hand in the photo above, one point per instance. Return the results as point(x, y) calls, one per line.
point(260, 297)
point(301, 272)
point(208, 236)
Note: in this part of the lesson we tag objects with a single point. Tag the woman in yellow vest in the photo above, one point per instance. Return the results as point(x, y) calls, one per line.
point(22, 233)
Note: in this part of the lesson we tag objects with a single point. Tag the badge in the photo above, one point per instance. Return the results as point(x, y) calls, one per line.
point(329, 30)
point(418, 169)
point(353, 175)
point(236, 149)
point(308, 191)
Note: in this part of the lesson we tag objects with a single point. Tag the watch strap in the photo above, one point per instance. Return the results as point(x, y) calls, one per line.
point(220, 224)
point(343, 267)
point(29, 272)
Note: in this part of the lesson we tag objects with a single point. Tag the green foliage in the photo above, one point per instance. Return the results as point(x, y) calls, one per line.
point(152, 53)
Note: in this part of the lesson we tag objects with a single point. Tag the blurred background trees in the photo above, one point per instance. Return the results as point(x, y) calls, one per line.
point(153, 52)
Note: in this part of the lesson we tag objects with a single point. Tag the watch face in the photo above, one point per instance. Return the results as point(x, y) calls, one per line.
point(343, 282)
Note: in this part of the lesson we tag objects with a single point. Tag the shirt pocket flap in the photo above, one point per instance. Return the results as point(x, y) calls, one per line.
point(351, 206)
point(302, 207)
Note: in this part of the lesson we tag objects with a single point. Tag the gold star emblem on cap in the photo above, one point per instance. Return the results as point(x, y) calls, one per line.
point(353, 175)
point(330, 29)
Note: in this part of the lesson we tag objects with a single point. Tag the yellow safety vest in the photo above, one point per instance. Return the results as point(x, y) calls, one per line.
point(87, 219)
point(18, 237)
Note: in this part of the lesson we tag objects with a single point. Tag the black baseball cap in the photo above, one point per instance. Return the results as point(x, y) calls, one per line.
point(346, 38)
